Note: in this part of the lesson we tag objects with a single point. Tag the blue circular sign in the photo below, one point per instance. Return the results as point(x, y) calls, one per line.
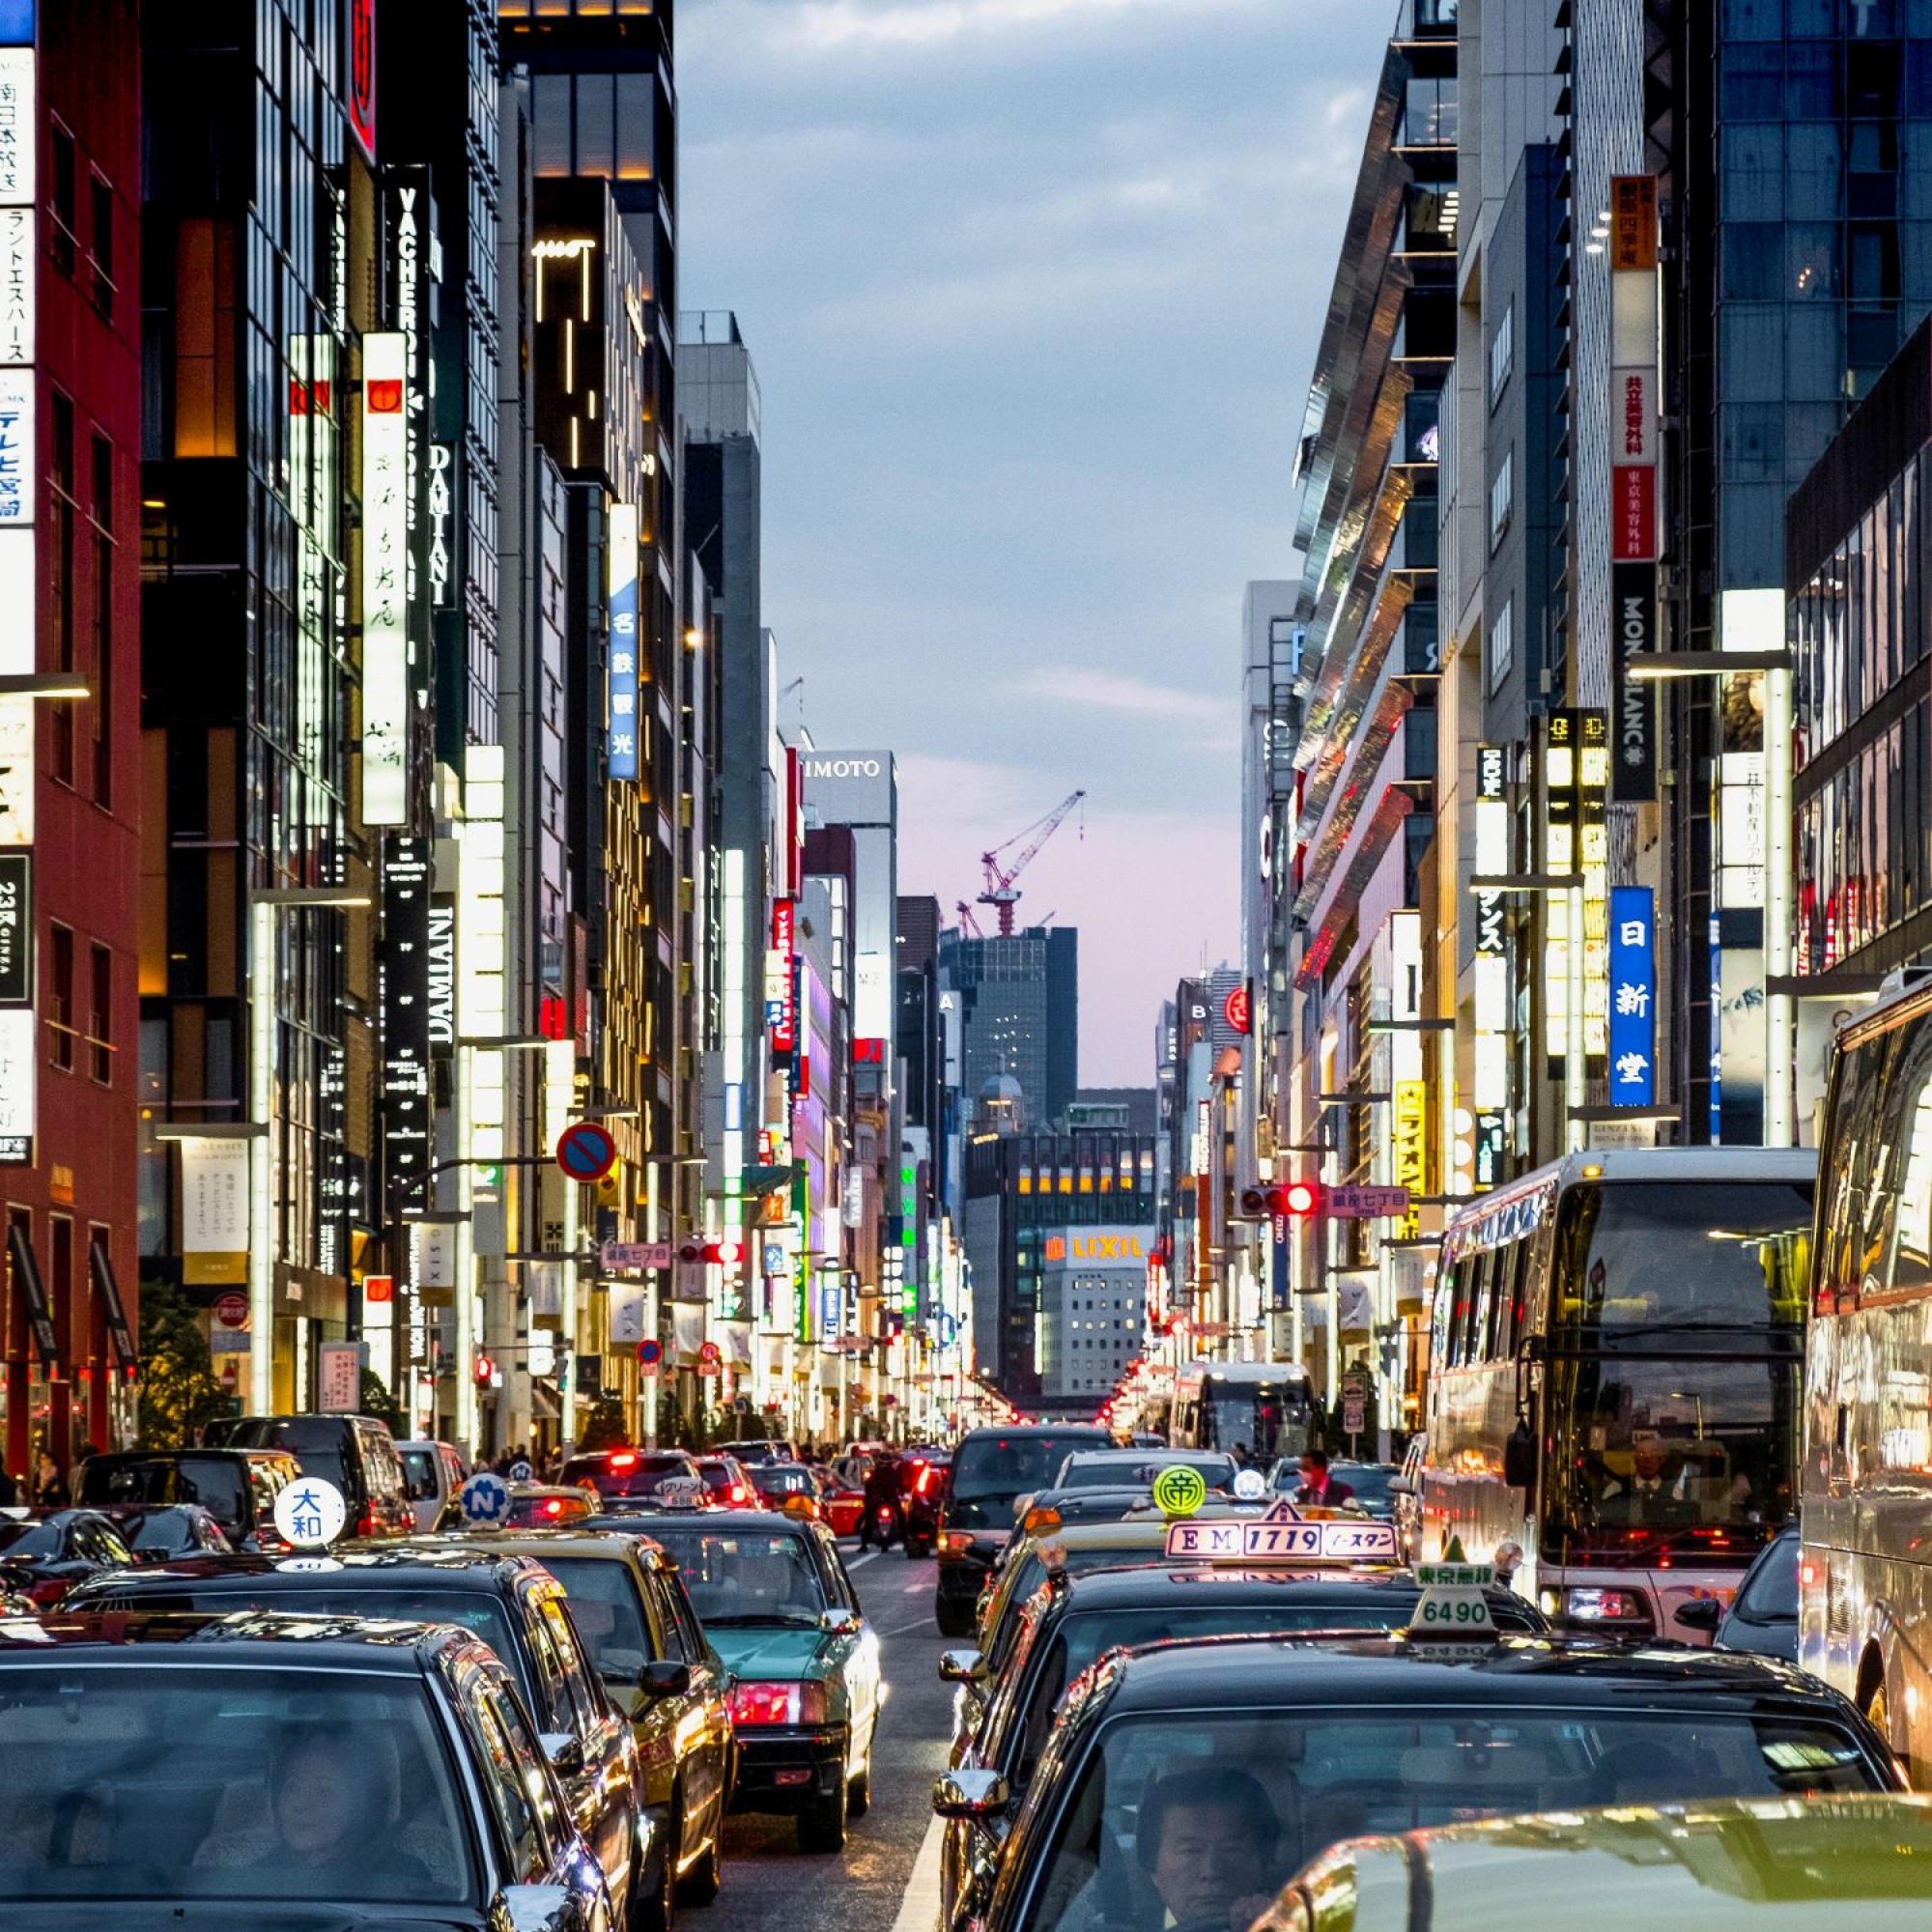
point(485, 1498)
point(585, 1151)
point(650, 1353)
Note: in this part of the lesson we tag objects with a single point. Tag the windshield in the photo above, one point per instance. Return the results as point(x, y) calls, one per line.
point(472, 1609)
point(991, 1471)
point(161, 1529)
point(204, 1785)
point(28, 1539)
point(775, 1479)
point(1635, 1258)
point(605, 1609)
point(1370, 1482)
point(419, 1466)
point(214, 1484)
point(746, 1579)
point(1656, 1456)
point(1196, 1820)
point(1264, 1418)
point(315, 1442)
point(627, 1473)
point(1138, 1472)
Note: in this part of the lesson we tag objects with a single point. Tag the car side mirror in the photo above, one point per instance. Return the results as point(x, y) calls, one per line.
point(970, 1794)
point(538, 1908)
point(665, 1677)
point(962, 1666)
point(1700, 1613)
point(564, 1751)
point(1400, 1486)
point(840, 1622)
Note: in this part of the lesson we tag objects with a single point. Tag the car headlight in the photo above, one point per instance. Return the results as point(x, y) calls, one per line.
point(788, 1703)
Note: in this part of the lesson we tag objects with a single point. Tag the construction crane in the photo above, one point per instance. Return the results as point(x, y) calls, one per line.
point(968, 923)
point(1000, 894)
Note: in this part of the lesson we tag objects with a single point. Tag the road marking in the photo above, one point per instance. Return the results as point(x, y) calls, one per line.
point(919, 1910)
point(857, 1560)
point(918, 1623)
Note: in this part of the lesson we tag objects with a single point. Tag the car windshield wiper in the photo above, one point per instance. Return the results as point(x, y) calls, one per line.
point(800, 1619)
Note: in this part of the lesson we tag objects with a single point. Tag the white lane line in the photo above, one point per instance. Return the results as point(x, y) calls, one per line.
point(919, 1623)
point(866, 1558)
point(919, 1910)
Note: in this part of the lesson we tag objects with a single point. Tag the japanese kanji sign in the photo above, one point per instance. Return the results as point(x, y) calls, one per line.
point(1632, 997)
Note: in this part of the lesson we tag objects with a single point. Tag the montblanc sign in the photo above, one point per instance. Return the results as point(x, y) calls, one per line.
point(1632, 706)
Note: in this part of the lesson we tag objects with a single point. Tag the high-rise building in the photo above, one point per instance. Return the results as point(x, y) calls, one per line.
point(1020, 1006)
point(718, 392)
point(283, 685)
point(71, 797)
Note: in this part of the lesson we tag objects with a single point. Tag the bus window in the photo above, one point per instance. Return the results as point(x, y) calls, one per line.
point(1441, 1314)
point(1496, 1316)
point(1511, 1288)
point(1846, 1170)
point(1907, 1136)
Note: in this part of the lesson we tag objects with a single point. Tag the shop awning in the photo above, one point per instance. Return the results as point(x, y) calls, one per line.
point(119, 1338)
point(27, 1276)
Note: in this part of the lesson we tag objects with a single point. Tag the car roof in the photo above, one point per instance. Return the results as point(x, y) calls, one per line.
point(718, 1522)
point(1218, 1673)
point(1717, 1862)
point(1158, 1585)
point(1085, 1432)
point(490, 1570)
point(543, 1545)
point(309, 1643)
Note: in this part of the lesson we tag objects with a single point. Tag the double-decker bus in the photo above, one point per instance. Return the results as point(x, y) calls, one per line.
point(1263, 1406)
point(1613, 1387)
point(1864, 1600)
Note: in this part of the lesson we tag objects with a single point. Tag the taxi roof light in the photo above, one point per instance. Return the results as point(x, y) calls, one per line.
point(1040, 1522)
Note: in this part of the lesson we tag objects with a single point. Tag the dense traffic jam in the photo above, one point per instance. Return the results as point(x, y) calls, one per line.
point(1631, 1628)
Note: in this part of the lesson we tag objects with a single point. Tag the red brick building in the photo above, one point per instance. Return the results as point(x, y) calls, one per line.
point(70, 766)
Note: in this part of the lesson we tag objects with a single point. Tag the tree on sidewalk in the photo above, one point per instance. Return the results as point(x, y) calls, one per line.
point(179, 1391)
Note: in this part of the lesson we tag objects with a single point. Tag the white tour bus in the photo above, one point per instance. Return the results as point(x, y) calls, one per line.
point(1614, 1350)
point(1865, 1560)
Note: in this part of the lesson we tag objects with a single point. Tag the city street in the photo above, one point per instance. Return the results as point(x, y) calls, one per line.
point(878, 1883)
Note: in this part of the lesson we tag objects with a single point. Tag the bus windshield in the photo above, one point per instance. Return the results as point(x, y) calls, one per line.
point(1265, 1418)
point(1633, 1258)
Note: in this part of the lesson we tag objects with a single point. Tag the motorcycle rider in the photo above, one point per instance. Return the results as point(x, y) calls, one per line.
point(882, 1493)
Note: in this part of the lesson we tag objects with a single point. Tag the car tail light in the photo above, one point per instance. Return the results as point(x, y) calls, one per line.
point(553, 1506)
point(739, 1493)
point(365, 1523)
point(623, 1459)
point(956, 1542)
point(1606, 1606)
point(924, 1484)
point(777, 1704)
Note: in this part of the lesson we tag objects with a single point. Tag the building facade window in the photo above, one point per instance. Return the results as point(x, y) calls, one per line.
point(64, 199)
point(59, 997)
point(100, 516)
point(101, 242)
point(60, 512)
point(1502, 354)
point(1502, 498)
point(1502, 651)
point(100, 1013)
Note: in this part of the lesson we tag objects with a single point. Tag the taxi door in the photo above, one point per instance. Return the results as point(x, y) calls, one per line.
point(599, 1775)
point(703, 1715)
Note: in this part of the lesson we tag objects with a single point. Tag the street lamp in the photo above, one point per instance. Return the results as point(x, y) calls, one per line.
point(263, 906)
point(57, 684)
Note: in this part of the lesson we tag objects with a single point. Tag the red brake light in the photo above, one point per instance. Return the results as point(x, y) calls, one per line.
point(623, 1459)
point(777, 1704)
point(365, 1523)
point(553, 1506)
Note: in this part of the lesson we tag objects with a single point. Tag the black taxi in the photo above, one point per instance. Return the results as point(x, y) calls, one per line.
point(1071, 1621)
point(305, 1772)
point(514, 1605)
point(629, 1606)
point(1183, 1782)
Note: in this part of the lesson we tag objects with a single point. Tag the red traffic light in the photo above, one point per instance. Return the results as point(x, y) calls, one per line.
point(723, 1254)
point(486, 1371)
point(1297, 1198)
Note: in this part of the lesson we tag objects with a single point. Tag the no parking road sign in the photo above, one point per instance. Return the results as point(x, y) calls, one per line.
point(585, 1151)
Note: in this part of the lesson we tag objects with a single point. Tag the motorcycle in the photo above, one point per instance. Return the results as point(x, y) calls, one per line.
point(885, 1525)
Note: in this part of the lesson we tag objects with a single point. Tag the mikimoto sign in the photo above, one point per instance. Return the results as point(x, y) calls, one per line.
point(848, 787)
